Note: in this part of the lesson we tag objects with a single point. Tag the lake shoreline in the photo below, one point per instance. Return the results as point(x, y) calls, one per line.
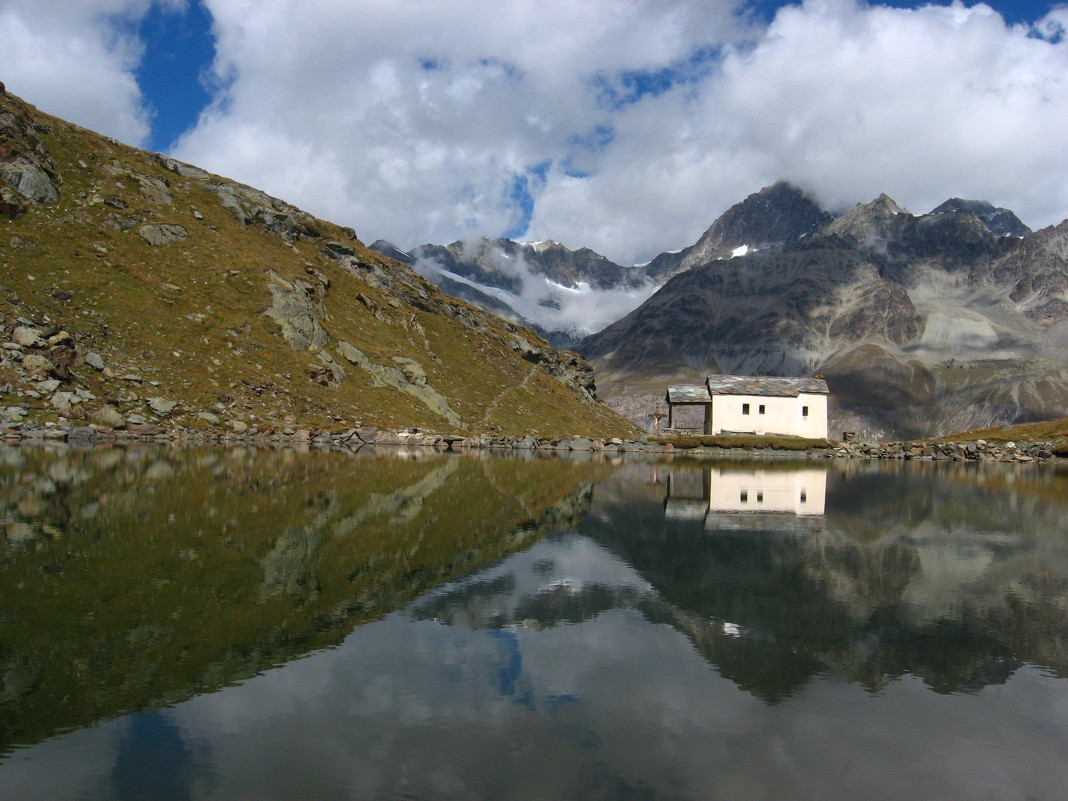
point(975, 450)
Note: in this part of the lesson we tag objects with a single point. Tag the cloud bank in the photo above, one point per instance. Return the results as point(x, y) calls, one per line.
point(626, 126)
point(574, 310)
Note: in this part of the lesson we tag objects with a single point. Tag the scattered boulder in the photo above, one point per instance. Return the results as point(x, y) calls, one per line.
point(30, 181)
point(181, 168)
point(162, 233)
point(83, 433)
point(108, 416)
point(154, 189)
point(37, 366)
point(161, 406)
point(93, 360)
point(26, 336)
point(63, 401)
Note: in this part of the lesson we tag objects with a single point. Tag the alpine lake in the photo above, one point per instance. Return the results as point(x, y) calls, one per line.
point(277, 624)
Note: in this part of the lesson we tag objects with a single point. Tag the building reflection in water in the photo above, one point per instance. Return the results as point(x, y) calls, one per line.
point(728, 497)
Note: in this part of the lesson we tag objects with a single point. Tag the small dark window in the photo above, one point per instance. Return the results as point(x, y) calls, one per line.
point(804, 496)
point(745, 408)
point(761, 409)
point(744, 496)
point(760, 497)
point(804, 411)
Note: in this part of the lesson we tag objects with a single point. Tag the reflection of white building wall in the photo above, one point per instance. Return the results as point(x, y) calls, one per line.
point(802, 416)
point(801, 492)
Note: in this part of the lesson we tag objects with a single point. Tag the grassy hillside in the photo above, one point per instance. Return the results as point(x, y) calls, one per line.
point(183, 286)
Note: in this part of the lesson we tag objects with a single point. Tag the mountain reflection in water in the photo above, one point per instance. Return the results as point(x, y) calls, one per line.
point(558, 629)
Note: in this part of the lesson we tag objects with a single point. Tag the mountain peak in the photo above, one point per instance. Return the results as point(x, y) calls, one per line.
point(1000, 221)
point(777, 215)
point(867, 221)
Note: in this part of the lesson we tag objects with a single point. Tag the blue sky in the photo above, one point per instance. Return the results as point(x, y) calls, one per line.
point(174, 73)
point(623, 125)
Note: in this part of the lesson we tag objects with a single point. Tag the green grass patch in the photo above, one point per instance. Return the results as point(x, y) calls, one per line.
point(746, 441)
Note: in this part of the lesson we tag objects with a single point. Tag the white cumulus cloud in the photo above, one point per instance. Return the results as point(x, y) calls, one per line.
point(76, 59)
point(626, 126)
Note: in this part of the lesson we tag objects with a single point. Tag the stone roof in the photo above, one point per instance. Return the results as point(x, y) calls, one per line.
point(688, 393)
point(765, 385)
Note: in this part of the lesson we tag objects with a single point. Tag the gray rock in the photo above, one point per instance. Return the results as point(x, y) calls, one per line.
point(161, 406)
point(108, 416)
point(579, 444)
point(295, 312)
point(19, 531)
point(26, 336)
point(12, 414)
point(37, 366)
point(49, 386)
point(83, 433)
point(94, 360)
point(412, 370)
point(181, 168)
point(209, 418)
point(409, 377)
point(154, 189)
point(163, 233)
point(30, 181)
point(63, 401)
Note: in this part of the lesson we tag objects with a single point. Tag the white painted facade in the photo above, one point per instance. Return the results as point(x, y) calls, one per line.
point(801, 416)
point(795, 407)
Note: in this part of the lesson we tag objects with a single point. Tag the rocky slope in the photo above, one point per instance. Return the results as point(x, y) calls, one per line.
point(921, 324)
point(137, 288)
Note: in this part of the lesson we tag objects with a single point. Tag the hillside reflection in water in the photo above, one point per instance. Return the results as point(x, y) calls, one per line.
point(496, 628)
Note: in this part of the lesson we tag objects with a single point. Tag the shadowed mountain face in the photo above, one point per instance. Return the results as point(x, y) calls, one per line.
point(922, 324)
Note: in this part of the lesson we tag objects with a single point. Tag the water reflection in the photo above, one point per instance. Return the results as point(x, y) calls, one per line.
point(138, 577)
point(908, 642)
point(729, 496)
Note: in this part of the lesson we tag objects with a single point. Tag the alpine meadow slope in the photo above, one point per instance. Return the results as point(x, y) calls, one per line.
point(136, 287)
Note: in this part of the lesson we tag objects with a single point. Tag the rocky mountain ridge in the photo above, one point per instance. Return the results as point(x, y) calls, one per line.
point(922, 325)
point(137, 289)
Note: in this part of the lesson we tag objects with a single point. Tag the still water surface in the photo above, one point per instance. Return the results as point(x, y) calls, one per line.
point(283, 625)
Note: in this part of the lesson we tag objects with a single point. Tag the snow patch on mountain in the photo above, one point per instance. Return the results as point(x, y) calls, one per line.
point(579, 310)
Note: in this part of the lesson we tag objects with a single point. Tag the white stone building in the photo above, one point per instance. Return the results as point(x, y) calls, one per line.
point(737, 404)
